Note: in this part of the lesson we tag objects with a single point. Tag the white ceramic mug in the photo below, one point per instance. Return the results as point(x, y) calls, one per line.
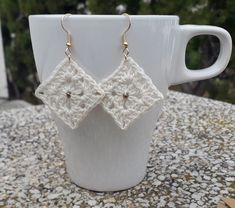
point(99, 155)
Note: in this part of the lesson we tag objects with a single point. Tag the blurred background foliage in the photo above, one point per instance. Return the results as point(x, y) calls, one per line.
point(202, 51)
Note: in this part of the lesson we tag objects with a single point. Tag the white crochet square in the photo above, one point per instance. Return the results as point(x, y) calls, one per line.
point(70, 92)
point(129, 92)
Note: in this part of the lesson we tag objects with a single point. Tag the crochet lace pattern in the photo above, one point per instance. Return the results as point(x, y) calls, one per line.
point(70, 92)
point(129, 92)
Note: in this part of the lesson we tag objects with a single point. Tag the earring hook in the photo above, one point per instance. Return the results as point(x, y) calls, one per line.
point(68, 43)
point(124, 39)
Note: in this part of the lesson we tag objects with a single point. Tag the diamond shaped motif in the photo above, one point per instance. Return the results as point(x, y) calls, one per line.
point(129, 92)
point(70, 92)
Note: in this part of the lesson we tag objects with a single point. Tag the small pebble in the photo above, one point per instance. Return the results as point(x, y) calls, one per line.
point(92, 202)
point(53, 196)
point(161, 178)
point(193, 205)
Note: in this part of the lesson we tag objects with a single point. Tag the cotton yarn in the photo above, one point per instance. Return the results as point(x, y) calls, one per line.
point(70, 92)
point(129, 92)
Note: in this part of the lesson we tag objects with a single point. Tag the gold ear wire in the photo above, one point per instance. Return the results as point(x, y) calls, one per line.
point(69, 42)
point(124, 39)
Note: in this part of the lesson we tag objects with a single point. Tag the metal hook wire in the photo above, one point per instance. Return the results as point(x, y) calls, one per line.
point(124, 39)
point(68, 43)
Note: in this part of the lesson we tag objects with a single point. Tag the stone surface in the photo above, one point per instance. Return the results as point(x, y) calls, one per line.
point(191, 163)
point(6, 104)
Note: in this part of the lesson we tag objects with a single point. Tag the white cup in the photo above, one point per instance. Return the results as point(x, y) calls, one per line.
point(99, 155)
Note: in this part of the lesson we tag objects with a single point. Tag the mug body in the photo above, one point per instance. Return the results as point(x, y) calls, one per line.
point(99, 155)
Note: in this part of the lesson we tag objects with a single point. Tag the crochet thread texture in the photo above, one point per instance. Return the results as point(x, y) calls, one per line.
point(70, 92)
point(129, 92)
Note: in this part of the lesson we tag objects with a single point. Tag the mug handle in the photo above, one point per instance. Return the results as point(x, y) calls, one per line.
point(185, 33)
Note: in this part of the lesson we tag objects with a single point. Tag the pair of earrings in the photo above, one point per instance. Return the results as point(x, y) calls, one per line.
point(71, 93)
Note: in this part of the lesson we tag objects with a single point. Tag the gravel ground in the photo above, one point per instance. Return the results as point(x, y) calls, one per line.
point(6, 104)
point(192, 161)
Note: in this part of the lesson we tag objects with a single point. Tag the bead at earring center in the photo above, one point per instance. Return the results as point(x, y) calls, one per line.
point(125, 95)
point(68, 94)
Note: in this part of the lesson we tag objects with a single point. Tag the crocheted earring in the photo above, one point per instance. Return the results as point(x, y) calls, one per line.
point(70, 92)
point(129, 92)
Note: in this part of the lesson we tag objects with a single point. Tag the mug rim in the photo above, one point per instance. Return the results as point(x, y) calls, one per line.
point(92, 16)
